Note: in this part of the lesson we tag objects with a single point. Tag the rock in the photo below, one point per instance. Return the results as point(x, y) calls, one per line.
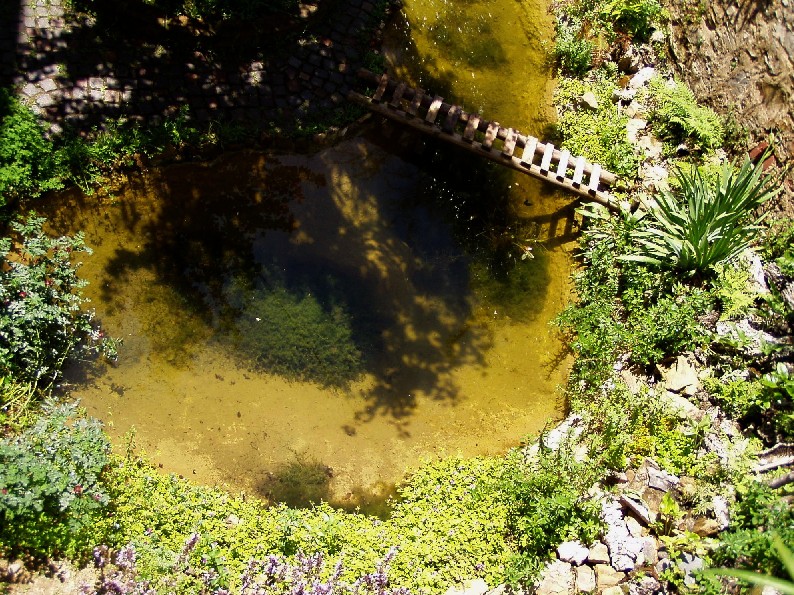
point(642, 77)
point(653, 498)
point(662, 565)
point(569, 430)
point(634, 527)
point(658, 37)
point(755, 267)
point(573, 552)
point(631, 61)
point(14, 568)
point(623, 95)
point(623, 548)
point(475, 587)
point(606, 576)
point(687, 486)
point(749, 339)
point(721, 512)
point(681, 376)
point(705, 527)
point(635, 108)
point(633, 128)
point(647, 585)
point(650, 550)
point(682, 150)
point(472, 587)
point(682, 407)
point(638, 510)
point(556, 579)
point(499, 590)
point(615, 590)
point(598, 554)
point(585, 579)
point(689, 563)
point(589, 101)
point(661, 480)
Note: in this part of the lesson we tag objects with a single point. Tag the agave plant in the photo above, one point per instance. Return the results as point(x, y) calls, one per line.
point(707, 224)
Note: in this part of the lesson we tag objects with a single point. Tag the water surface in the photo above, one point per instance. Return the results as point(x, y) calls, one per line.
point(405, 252)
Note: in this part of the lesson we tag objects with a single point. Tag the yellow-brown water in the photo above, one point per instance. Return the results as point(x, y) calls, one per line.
point(458, 354)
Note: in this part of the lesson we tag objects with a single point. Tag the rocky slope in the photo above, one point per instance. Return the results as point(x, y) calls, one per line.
point(738, 58)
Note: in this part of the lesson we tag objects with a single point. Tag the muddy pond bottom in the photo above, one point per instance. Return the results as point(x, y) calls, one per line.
point(310, 327)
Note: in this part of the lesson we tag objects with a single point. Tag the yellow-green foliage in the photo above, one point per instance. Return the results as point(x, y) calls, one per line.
point(599, 135)
point(446, 526)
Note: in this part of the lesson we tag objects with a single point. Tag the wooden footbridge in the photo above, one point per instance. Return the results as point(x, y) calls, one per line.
point(431, 115)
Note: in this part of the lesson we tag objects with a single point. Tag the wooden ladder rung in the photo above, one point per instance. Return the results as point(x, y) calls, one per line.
point(594, 179)
point(529, 151)
point(545, 163)
point(490, 135)
point(415, 103)
point(397, 97)
point(471, 128)
point(562, 166)
point(384, 82)
point(578, 172)
point(452, 119)
point(510, 143)
point(432, 111)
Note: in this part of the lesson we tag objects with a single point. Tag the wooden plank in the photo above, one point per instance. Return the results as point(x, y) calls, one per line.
point(546, 161)
point(510, 143)
point(432, 112)
point(562, 166)
point(415, 103)
point(452, 118)
point(384, 82)
point(578, 172)
point(490, 135)
point(471, 128)
point(397, 97)
point(529, 151)
point(594, 179)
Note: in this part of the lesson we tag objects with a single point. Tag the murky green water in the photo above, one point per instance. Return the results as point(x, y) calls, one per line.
point(308, 327)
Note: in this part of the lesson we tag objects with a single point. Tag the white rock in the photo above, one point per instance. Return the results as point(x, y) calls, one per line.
point(598, 554)
point(634, 527)
point(585, 579)
point(681, 375)
point(652, 148)
point(642, 77)
point(556, 579)
point(681, 406)
point(633, 128)
point(589, 100)
point(661, 480)
point(624, 95)
point(573, 552)
point(721, 511)
point(475, 587)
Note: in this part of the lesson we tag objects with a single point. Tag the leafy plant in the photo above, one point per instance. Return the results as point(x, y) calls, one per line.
point(27, 165)
point(677, 116)
point(50, 483)
point(758, 518)
point(572, 51)
point(42, 322)
point(708, 225)
point(547, 505)
point(783, 586)
point(635, 17)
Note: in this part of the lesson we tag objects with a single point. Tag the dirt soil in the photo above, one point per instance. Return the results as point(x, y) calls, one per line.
point(738, 58)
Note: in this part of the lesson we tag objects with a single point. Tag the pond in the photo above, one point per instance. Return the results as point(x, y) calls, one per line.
point(308, 327)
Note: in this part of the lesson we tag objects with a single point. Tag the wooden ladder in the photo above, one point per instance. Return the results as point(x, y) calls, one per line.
point(431, 115)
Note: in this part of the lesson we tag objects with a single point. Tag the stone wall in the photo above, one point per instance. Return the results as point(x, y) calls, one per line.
point(738, 57)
